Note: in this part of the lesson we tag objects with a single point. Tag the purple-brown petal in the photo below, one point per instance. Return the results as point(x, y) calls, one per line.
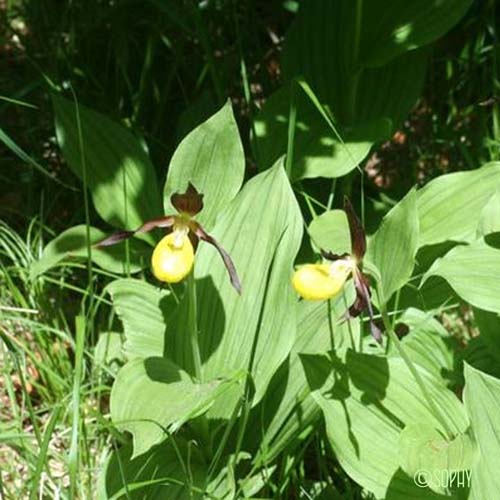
point(190, 202)
point(363, 302)
point(358, 235)
point(228, 262)
point(115, 238)
point(148, 226)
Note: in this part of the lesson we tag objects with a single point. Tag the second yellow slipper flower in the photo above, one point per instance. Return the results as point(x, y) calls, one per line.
point(321, 281)
point(325, 281)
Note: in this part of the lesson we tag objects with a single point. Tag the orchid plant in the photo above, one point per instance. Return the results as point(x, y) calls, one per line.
point(173, 257)
point(217, 391)
point(326, 280)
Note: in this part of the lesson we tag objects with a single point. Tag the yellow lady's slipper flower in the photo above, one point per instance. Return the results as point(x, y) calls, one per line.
point(325, 281)
point(172, 260)
point(321, 281)
point(173, 257)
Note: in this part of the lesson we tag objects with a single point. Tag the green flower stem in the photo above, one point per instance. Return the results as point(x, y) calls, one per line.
point(200, 424)
point(413, 370)
point(193, 326)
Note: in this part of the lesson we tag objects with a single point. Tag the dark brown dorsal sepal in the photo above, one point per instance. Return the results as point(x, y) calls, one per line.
point(190, 202)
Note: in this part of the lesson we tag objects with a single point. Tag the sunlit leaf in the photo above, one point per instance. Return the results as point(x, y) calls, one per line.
point(366, 405)
point(330, 231)
point(153, 397)
point(143, 309)
point(449, 206)
point(394, 246)
point(422, 447)
point(489, 220)
point(288, 409)
point(211, 158)
point(482, 399)
point(109, 349)
point(72, 245)
point(429, 344)
point(433, 294)
point(261, 230)
point(472, 271)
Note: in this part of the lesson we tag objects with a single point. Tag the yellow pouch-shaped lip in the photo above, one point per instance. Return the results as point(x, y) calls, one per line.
point(320, 281)
point(172, 261)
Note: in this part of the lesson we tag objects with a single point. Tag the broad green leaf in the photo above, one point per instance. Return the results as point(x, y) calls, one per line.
point(366, 405)
point(143, 310)
point(211, 158)
point(224, 485)
point(173, 471)
point(433, 294)
point(429, 344)
point(153, 397)
point(394, 246)
point(479, 355)
point(472, 271)
point(288, 410)
point(423, 448)
point(353, 94)
point(482, 399)
point(391, 91)
point(489, 328)
point(330, 231)
point(449, 206)
point(119, 173)
point(366, 104)
point(109, 349)
point(261, 230)
point(390, 29)
point(489, 220)
point(320, 29)
point(317, 150)
point(72, 244)
point(398, 86)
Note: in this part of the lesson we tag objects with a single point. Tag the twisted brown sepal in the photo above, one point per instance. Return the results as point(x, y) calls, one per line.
point(358, 235)
point(363, 302)
point(190, 202)
point(228, 262)
point(148, 226)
